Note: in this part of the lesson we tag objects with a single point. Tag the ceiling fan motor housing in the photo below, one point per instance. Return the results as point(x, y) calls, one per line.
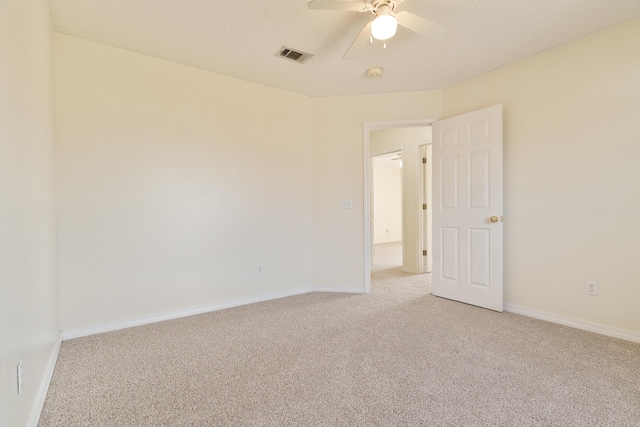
point(384, 7)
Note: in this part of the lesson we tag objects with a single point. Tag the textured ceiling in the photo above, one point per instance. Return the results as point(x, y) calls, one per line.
point(239, 38)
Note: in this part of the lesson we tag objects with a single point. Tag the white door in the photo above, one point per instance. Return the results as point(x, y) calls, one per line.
point(467, 208)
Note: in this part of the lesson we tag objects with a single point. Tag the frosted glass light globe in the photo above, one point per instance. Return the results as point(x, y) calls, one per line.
point(384, 27)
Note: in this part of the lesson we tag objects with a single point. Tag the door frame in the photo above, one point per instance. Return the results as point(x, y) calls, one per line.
point(367, 127)
point(426, 179)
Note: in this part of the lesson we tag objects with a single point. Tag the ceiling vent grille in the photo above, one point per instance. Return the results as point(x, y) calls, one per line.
point(293, 55)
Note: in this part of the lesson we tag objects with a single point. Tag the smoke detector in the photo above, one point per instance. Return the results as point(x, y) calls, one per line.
point(374, 72)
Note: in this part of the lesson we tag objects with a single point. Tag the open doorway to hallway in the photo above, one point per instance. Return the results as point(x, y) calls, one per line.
point(393, 256)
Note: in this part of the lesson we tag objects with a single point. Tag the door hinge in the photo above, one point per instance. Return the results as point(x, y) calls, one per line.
point(424, 160)
point(424, 253)
point(424, 206)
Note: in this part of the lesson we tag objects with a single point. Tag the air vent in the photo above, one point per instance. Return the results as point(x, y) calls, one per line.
point(293, 55)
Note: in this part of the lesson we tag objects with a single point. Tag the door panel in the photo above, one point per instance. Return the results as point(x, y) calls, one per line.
point(450, 253)
point(478, 260)
point(449, 177)
point(467, 192)
point(479, 180)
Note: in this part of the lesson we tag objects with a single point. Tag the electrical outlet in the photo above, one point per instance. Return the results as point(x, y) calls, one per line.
point(259, 270)
point(19, 377)
point(592, 287)
point(347, 204)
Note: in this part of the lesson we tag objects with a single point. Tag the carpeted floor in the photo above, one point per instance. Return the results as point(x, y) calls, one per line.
point(396, 357)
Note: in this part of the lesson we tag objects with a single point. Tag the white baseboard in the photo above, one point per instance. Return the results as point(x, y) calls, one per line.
point(598, 328)
point(340, 290)
point(175, 314)
point(36, 410)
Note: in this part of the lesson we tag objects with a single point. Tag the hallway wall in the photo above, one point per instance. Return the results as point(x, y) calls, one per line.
point(29, 320)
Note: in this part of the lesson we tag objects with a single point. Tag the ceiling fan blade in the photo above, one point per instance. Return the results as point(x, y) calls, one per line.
point(359, 43)
point(421, 25)
point(353, 6)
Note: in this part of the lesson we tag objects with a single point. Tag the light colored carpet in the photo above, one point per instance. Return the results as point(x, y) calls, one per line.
point(398, 356)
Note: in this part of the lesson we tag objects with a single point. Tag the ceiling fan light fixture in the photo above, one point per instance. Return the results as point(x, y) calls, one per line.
point(384, 26)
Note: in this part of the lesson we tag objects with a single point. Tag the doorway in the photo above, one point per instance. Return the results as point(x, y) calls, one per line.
point(407, 137)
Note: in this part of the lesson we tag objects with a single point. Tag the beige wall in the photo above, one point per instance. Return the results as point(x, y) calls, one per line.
point(175, 184)
point(387, 204)
point(28, 276)
point(409, 140)
point(572, 151)
point(338, 250)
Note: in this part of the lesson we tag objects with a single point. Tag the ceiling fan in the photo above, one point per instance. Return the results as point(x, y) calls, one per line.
point(385, 23)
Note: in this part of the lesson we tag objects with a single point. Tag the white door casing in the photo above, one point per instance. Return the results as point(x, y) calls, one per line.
point(467, 192)
point(367, 127)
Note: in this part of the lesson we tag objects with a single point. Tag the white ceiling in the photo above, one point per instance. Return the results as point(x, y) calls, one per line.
point(239, 38)
point(393, 160)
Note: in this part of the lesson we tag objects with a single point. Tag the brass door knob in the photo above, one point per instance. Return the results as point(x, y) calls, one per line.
point(493, 219)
